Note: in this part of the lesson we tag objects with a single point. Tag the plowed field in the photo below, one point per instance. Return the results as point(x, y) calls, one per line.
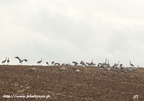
point(49, 83)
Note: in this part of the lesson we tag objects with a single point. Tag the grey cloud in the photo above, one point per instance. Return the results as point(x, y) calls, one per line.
point(72, 30)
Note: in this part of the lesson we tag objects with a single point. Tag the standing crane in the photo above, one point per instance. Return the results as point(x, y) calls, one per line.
point(116, 64)
point(8, 61)
point(131, 64)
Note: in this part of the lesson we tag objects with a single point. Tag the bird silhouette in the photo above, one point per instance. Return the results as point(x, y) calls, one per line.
point(39, 61)
point(47, 63)
point(4, 60)
point(52, 62)
point(21, 60)
point(131, 64)
point(8, 61)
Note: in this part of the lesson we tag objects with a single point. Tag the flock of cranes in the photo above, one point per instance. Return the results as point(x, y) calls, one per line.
point(102, 66)
point(116, 67)
point(82, 63)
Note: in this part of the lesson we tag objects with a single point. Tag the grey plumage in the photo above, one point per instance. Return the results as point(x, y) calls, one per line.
point(21, 60)
point(131, 64)
point(77, 71)
point(39, 61)
point(4, 60)
point(32, 69)
point(47, 63)
point(62, 68)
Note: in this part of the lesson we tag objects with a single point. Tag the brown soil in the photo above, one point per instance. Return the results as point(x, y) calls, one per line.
point(89, 85)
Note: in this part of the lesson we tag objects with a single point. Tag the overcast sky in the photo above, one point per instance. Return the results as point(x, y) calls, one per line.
point(72, 30)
